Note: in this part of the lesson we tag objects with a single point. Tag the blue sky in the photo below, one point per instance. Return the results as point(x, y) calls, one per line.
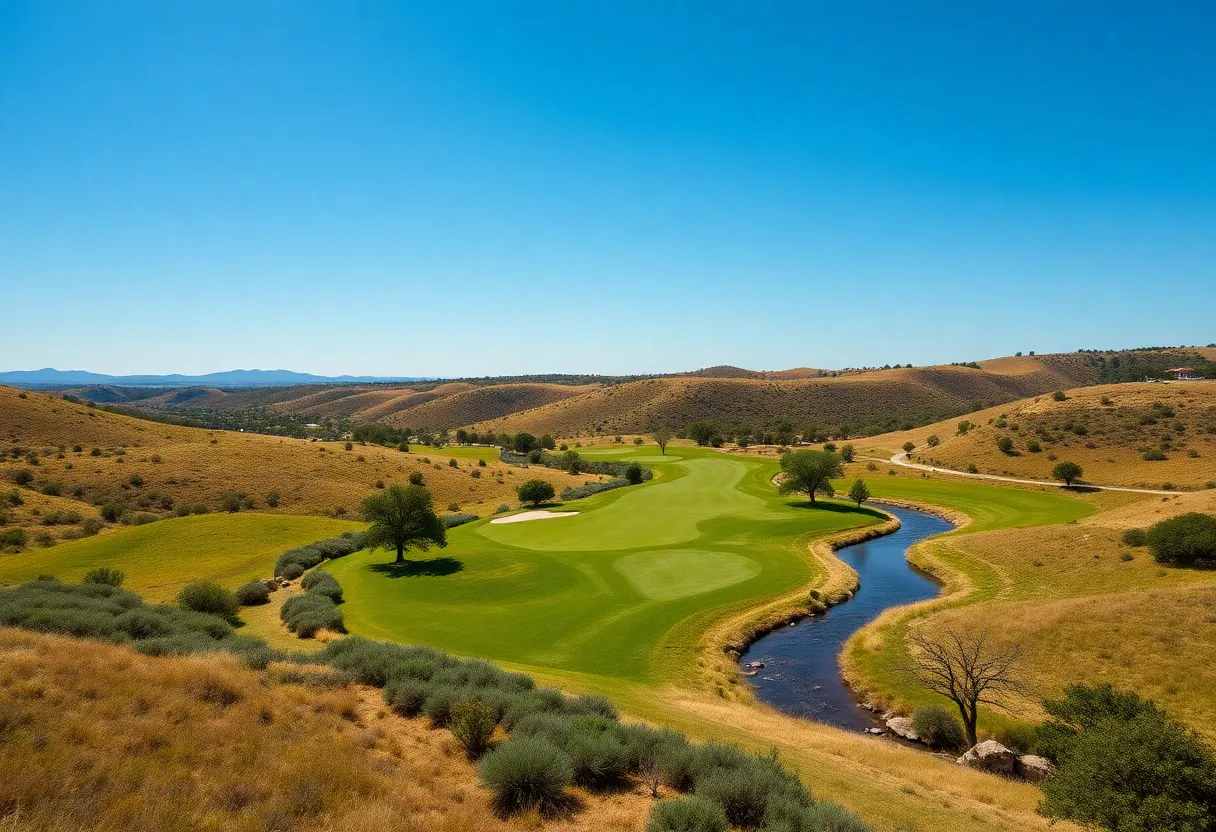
point(478, 188)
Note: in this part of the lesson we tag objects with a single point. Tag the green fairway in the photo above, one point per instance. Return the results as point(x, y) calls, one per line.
point(160, 558)
point(988, 506)
point(601, 592)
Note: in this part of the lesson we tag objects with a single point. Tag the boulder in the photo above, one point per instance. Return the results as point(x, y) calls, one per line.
point(1034, 768)
point(271, 584)
point(992, 757)
point(875, 731)
point(901, 726)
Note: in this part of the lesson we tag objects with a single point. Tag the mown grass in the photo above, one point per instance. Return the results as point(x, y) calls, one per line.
point(160, 558)
point(584, 593)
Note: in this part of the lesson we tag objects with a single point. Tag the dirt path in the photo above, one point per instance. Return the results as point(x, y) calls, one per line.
point(903, 461)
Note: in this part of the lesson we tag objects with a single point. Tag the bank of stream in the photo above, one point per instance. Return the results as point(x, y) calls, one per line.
point(801, 673)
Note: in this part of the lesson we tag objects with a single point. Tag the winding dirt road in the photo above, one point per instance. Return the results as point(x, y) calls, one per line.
point(903, 461)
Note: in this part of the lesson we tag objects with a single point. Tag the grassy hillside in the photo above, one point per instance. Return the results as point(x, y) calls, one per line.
point(864, 400)
point(150, 470)
point(1083, 605)
point(1115, 432)
point(481, 404)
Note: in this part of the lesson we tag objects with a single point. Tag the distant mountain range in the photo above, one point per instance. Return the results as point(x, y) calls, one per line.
point(50, 377)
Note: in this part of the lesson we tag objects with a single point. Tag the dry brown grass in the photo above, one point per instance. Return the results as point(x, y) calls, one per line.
point(864, 398)
point(192, 466)
point(1106, 440)
point(36, 509)
point(94, 737)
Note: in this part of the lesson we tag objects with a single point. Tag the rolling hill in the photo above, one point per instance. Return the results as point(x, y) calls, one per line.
point(148, 470)
point(1141, 435)
point(865, 400)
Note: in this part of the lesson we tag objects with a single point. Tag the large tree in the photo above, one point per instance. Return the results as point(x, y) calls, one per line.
point(701, 431)
point(1067, 471)
point(535, 492)
point(402, 518)
point(661, 437)
point(810, 472)
point(1125, 764)
point(966, 668)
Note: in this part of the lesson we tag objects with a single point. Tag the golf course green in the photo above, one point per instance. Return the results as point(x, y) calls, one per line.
point(603, 592)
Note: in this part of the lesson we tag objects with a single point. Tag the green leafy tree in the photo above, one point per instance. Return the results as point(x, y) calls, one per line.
point(1070, 472)
point(633, 473)
point(847, 452)
point(661, 437)
point(701, 431)
point(933, 440)
point(402, 518)
point(1004, 444)
point(535, 492)
point(810, 472)
point(909, 448)
point(859, 493)
point(1125, 765)
point(523, 442)
point(547, 442)
point(572, 462)
point(783, 433)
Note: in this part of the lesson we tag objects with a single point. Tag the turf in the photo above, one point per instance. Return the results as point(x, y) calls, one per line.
point(602, 593)
point(160, 558)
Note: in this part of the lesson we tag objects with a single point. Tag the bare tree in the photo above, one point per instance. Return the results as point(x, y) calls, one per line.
point(967, 668)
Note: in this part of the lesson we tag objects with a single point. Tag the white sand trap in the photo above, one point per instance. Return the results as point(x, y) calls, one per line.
point(525, 516)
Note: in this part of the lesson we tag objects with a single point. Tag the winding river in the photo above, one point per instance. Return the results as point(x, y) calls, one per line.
point(801, 673)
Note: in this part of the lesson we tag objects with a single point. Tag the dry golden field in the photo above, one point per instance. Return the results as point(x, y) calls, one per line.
point(148, 468)
point(99, 738)
point(1107, 429)
point(860, 399)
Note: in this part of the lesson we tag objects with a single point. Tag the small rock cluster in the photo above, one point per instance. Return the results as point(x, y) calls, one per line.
point(989, 756)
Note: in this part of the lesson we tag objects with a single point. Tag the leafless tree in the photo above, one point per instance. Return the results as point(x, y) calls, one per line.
point(967, 668)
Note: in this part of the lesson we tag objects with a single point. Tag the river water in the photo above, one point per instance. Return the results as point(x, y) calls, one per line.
point(801, 674)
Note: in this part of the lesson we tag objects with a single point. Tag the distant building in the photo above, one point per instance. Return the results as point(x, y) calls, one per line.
point(1183, 374)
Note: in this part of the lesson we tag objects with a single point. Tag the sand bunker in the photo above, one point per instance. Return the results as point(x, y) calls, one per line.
point(525, 516)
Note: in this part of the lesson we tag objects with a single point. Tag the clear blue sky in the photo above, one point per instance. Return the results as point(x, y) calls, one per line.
point(469, 188)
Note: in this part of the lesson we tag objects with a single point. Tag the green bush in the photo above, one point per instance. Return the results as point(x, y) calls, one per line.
point(23, 476)
point(209, 598)
point(13, 537)
point(938, 727)
point(319, 582)
point(535, 492)
point(1135, 537)
point(473, 725)
point(440, 703)
point(252, 594)
point(104, 575)
point(305, 614)
point(1153, 455)
point(406, 696)
point(743, 793)
point(524, 773)
point(633, 473)
point(686, 814)
point(1184, 540)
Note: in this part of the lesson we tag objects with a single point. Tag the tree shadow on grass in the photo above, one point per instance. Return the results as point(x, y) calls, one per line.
point(838, 508)
point(434, 567)
point(1077, 488)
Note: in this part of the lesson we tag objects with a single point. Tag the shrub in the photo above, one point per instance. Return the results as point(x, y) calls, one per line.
point(319, 582)
point(1004, 444)
point(253, 594)
point(272, 499)
point(61, 518)
point(406, 696)
point(23, 476)
point(452, 463)
point(743, 793)
point(291, 571)
point(526, 772)
point(1183, 540)
point(105, 576)
point(1153, 455)
point(686, 814)
point(535, 492)
point(633, 473)
point(938, 727)
point(13, 537)
point(305, 614)
point(1135, 537)
point(415, 478)
point(209, 598)
point(1033, 446)
point(1059, 396)
point(473, 724)
point(451, 521)
point(502, 509)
